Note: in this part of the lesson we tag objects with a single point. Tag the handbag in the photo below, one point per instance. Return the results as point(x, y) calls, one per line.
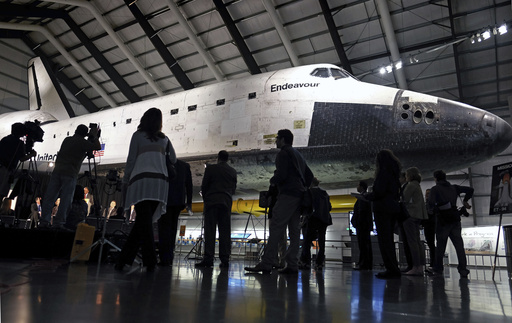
point(403, 214)
point(307, 196)
point(307, 201)
point(171, 168)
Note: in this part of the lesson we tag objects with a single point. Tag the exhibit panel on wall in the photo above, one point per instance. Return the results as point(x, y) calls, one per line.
point(501, 198)
point(480, 245)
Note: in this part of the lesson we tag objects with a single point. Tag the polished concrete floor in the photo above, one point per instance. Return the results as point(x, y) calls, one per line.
point(57, 291)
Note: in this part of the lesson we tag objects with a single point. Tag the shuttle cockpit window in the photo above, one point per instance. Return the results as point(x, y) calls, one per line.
point(336, 73)
point(321, 72)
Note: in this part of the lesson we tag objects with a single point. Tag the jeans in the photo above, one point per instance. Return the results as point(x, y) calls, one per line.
point(141, 236)
point(315, 229)
point(167, 229)
point(452, 231)
point(412, 234)
point(286, 212)
point(60, 186)
point(217, 215)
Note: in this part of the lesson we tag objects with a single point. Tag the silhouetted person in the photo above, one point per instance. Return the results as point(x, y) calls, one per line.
point(292, 176)
point(148, 185)
point(218, 187)
point(415, 204)
point(64, 177)
point(111, 212)
point(402, 234)
point(35, 212)
point(179, 197)
point(429, 230)
point(317, 225)
point(89, 198)
point(362, 220)
point(443, 196)
point(12, 151)
point(385, 197)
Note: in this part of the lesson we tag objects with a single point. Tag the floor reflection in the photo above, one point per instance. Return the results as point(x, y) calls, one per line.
point(54, 291)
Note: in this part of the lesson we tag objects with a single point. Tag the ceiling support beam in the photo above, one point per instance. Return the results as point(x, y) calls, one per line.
point(455, 53)
point(336, 39)
point(196, 41)
point(169, 60)
point(387, 25)
point(29, 11)
point(237, 37)
point(89, 6)
point(112, 73)
point(16, 10)
point(282, 33)
point(64, 53)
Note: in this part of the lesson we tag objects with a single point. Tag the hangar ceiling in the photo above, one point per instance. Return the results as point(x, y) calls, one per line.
point(116, 52)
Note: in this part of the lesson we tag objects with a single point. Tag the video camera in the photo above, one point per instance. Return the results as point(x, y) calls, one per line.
point(33, 133)
point(113, 178)
point(94, 132)
point(93, 128)
point(463, 211)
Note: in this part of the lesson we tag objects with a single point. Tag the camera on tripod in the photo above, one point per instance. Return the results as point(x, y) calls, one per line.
point(463, 211)
point(94, 132)
point(33, 132)
point(113, 178)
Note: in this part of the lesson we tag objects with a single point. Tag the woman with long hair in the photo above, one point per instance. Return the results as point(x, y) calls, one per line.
point(385, 199)
point(146, 179)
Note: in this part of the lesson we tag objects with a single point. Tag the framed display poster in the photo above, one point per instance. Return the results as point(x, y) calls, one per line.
point(501, 191)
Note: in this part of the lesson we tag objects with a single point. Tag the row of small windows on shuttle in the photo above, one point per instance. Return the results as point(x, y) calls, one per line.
point(190, 108)
point(418, 115)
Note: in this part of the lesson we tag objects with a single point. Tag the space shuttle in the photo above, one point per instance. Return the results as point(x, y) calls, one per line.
point(339, 124)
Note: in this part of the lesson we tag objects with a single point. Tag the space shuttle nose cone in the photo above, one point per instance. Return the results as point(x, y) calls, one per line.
point(503, 135)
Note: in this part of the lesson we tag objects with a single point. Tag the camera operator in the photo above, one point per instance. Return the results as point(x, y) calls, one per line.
point(443, 197)
point(64, 177)
point(12, 151)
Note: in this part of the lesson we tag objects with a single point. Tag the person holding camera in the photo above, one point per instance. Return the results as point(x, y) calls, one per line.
point(12, 151)
point(443, 197)
point(64, 177)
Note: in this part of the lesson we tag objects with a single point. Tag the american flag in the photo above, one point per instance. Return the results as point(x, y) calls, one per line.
point(99, 153)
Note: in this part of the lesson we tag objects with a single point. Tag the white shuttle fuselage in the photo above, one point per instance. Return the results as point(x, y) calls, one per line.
point(339, 124)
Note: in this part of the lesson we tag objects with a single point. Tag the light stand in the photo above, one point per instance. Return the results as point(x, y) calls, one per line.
point(264, 234)
point(102, 240)
point(96, 207)
point(198, 245)
point(25, 191)
point(265, 201)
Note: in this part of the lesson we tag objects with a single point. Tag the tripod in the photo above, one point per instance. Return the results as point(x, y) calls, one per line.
point(96, 207)
point(262, 250)
point(198, 246)
point(25, 188)
point(102, 240)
